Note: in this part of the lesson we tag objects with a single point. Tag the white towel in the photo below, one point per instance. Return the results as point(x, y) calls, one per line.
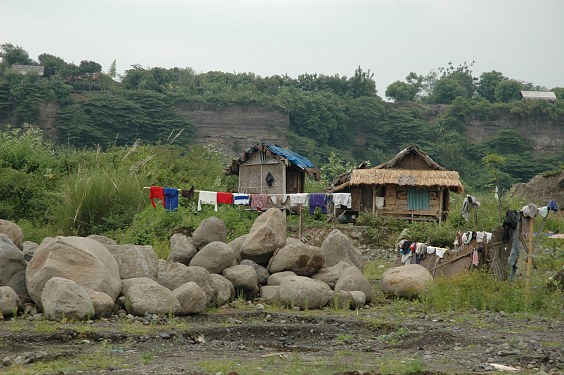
point(241, 199)
point(379, 202)
point(207, 197)
point(440, 251)
point(342, 199)
point(431, 249)
point(296, 199)
point(480, 237)
point(405, 258)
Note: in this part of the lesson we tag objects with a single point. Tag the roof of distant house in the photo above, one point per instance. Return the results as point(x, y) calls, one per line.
point(545, 95)
point(27, 69)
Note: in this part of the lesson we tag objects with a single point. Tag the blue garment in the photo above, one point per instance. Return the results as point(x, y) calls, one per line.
point(552, 205)
point(317, 200)
point(170, 199)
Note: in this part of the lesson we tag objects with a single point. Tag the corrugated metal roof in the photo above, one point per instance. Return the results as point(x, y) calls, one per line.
point(296, 159)
point(26, 69)
point(546, 95)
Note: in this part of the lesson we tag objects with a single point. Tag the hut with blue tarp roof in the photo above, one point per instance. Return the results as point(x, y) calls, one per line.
point(270, 169)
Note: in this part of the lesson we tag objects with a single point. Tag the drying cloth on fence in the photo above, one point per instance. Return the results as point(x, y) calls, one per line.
point(421, 248)
point(170, 198)
point(225, 198)
point(317, 200)
point(259, 201)
point(406, 258)
point(543, 211)
point(431, 249)
point(480, 237)
point(469, 203)
point(552, 205)
point(296, 199)
point(207, 197)
point(475, 258)
point(188, 193)
point(529, 210)
point(440, 251)
point(156, 192)
point(241, 199)
point(343, 199)
point(405, 247)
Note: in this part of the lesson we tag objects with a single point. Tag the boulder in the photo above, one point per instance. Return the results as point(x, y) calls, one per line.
point(270, 293)
point(142, 299)
point(291, 240)
point(338, 247)
point(359, 299)
point(65, 299)
point(352, 279)
point(406, 281)
point(236, 245)
point(304, 292)
point(341, 300)
point(276, 278)
point(128, 283)
point(29, 250)
point(83, 260)
point(224, 290)
point(262, 272)
point(215, 257)
point(302, 259)
point(177, 274)
point(192, 298)
point(267, 235)
point(9, 301)
point(12, 267)
point(330, 275)
point(135, 260)
point(13, 231)
point(210, 230)
point(182, 249)
point(244, 278)
point(103, 304)
point(102, 239)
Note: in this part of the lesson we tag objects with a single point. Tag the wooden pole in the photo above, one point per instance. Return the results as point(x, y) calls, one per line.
point(334, 215)
point(440, 205)
point(373, 199)
point(301, 225)
point(529, 262)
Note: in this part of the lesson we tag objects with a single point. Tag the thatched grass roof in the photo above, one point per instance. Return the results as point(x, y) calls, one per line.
point(407, 177)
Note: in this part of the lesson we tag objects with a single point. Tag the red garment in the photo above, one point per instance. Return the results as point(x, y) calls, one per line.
point(226, 198)
point(156, 192)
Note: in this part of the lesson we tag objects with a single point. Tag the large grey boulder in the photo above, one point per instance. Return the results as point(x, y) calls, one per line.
point(406, 281)
point(135, 260)
point(210, 230)
point(352, 279)
point(343, 299)
point(262, 272)
point(102, 239)
point(224, 290)
point(338, 247)
point(12, 267)
point(270, 293)
point(304, 292)
point(276, 278)
point(192, 298)
point(177, 274)
point(330, 275)
point(103, 304)
point(302, 259)
point(215, 257)
point(142, 299)
point(13, 231)
point(244, 278)
point(182, 249)
point(236, 245)
point(267, 235)
point(128, 283)
point(9, 301)
point(83, 260)
point(65, 299)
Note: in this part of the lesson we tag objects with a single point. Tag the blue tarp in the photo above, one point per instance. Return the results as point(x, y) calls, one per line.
point(294, 158)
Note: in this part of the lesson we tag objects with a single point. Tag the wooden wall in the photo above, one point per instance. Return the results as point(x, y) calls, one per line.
point(252, 175)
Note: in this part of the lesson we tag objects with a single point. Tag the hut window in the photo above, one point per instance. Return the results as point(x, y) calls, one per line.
point(417, 199)
point(269, 179)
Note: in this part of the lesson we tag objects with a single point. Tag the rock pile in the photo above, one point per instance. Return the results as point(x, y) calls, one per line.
point(86, 277)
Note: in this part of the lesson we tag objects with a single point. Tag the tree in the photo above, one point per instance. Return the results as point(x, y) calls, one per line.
point(508, 90)
point(53, 65)
point(401, 91)
point(446, 90)
point(11, 55)
point(112, 70)
point(488, 83)
point(558, 91)
point(362, 84)
point(89, 67)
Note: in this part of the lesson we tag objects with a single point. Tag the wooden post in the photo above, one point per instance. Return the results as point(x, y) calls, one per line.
point(373, 199)
point(529, 262)
point(301, 225)
point(334, 215)
point(440, 205)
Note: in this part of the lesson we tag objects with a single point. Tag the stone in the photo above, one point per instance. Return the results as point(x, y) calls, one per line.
point(13, 267)
point(65, 299)
point(210, 230)
point(262, 272)
point(242, 277)
point(406, 281)
point(177, 274)
point(236, 246)
point(214, 257)
point(224, 291)
point(359, 299)
point(267, 235)
point(276, 278)
point(135, 260)
point(103, 303)
point(9, 301)
point(13, 231)
point(83, 260)
point(143, 299)
point(182, 249)
point(102, 239)
point(352, 279)
point(341, 300)
point(270, 293)
point(29, 250)
point(330, 275)
point(303, 292)
point(338, 247)
point(302, 259)
point(192, 298)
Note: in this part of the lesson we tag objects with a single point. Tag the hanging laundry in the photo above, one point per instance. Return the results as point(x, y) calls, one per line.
point(343, 199)
point(440, 251)
point(543, 211)
point(475, 258)
point(241, 199)
point(431, 249)
point(259, 201)
point(156, 192)
point(296, 199)
point(421, 248)
point(170, 198)
point(406, 258)
point(224, 198)
point(317, 200)
point(469, 203)
point(207, 197)
point(380, 202)
point(480, 237)
point(509, 223)
point(529, 210)
point(552, 205)
point(274, 199)
point(189, 194)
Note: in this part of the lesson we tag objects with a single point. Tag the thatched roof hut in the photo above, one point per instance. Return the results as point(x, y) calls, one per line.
point(409, 185)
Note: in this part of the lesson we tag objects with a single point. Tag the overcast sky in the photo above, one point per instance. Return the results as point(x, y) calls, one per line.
point(523, 39)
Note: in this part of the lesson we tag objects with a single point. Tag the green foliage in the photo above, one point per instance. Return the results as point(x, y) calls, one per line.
point(508, 90)
point(488, 83)
point(401, 91)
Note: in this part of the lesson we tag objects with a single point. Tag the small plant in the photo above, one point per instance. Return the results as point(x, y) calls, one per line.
point(147, 357)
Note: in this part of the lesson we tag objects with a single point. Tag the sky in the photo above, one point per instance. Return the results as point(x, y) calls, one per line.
point(523, 39)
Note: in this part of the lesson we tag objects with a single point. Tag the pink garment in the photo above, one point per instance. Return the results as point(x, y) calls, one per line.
point(475, 259)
